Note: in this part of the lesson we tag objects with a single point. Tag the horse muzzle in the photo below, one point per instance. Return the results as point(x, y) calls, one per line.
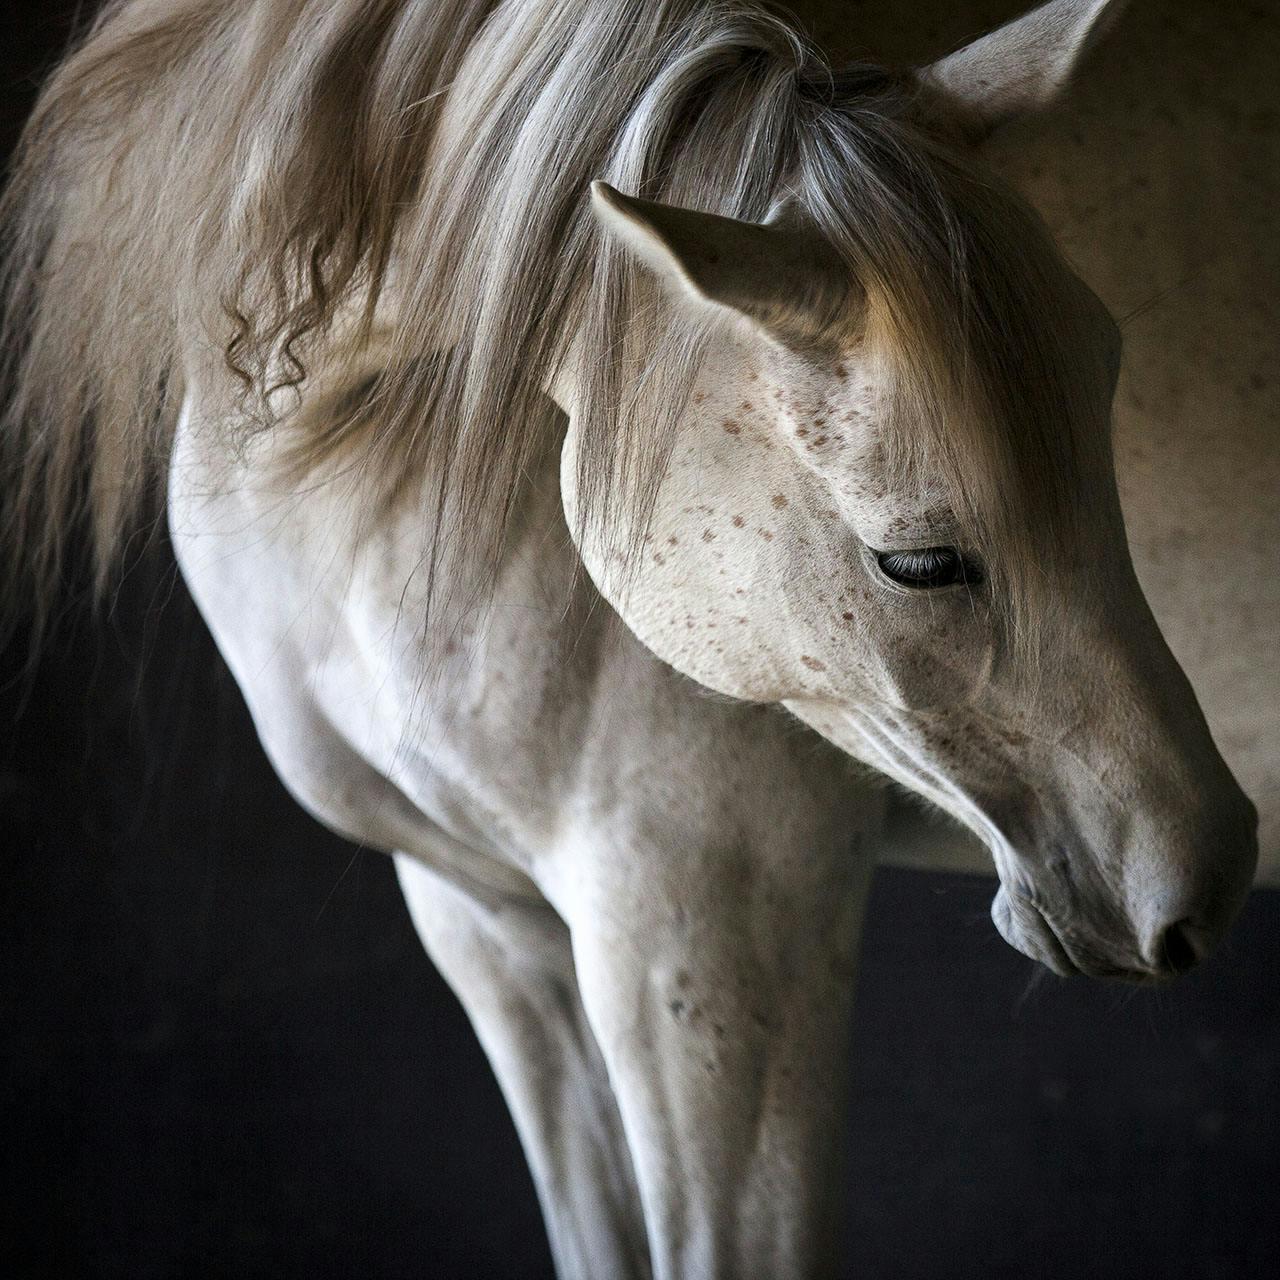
point(1169, 927)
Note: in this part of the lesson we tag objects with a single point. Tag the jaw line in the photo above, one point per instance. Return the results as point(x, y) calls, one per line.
point(892, 757)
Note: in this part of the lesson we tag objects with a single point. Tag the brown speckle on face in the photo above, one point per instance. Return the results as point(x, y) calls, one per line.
point(802, 432)
point(732, 428)
point(847, 616)
point(708, 535)
point(766, 535)
point(747, 406)
point(779, 500)
point(738, 522)
point(812, 663)
point(673, 541)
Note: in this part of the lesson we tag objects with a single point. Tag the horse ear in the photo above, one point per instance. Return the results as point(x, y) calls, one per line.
point(782, 277)
point(1018, 68)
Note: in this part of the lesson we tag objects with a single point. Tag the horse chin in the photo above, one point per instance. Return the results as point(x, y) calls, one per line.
point(1027, 931)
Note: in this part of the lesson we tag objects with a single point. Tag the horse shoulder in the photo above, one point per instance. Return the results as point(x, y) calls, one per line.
point(277, 579)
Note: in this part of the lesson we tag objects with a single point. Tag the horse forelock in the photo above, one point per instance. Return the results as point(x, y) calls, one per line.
point(250, 177)
point(991, 352)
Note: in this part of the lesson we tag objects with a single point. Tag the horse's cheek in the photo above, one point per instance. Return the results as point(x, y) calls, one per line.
point(917, 676)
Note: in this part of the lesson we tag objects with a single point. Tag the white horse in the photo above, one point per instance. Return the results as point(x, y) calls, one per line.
point(816, 405)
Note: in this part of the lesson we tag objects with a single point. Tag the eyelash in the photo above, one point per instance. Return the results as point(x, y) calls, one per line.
point(928, 568)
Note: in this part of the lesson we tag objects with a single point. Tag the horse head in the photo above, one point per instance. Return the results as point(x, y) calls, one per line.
point(889, 503)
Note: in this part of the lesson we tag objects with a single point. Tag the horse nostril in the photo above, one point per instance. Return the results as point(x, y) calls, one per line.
point(1178, 950)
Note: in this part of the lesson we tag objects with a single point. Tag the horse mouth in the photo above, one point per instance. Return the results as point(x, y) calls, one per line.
point(1022, 924)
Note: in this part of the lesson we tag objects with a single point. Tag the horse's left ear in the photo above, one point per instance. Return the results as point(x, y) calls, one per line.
point(1017, 69)
point(782, 278)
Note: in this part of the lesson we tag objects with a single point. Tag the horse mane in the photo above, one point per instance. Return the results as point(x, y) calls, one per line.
point(235, 182)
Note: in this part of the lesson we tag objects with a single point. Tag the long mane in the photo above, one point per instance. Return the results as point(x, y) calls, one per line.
point(233, 183)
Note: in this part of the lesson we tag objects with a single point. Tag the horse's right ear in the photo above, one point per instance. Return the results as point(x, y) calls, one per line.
point(1018, 68)
point(782, 278)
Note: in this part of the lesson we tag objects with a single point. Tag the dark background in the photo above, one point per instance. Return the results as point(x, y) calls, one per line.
point(225, 1053)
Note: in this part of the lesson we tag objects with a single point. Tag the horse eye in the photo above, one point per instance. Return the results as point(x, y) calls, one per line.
point(928, 568)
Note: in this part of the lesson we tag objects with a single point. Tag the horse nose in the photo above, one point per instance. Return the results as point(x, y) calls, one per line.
point(1179, 947)
point(1180, 927)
